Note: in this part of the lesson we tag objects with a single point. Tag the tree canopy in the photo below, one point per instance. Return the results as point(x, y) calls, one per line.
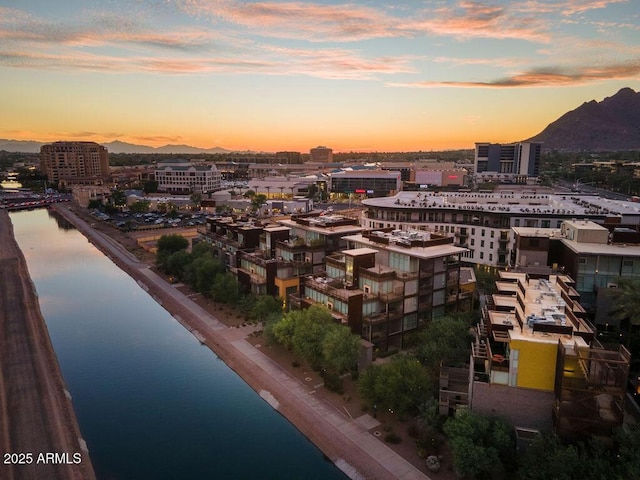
point(401, 385)
point(482, 446)
point(312, 334)
point(168, 245)
point(626, 302)
point(446, 340)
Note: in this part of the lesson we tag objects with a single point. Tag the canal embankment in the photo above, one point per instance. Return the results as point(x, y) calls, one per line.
point(39, 433)
point(346, 442)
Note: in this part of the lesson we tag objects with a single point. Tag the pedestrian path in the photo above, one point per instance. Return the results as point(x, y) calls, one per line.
point(327, 416)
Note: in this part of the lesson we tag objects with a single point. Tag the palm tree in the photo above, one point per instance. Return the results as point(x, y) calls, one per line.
point(626, 303)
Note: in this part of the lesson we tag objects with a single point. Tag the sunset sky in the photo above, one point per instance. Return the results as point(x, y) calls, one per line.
point(290, 75)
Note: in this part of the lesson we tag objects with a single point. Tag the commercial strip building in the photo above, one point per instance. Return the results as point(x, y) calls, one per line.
point(536, 361)
point(185, 177)
point(376, 183)
point(75, 163)
point(483, 222)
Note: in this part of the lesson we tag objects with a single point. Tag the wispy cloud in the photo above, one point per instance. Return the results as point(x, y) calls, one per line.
point(349, 22)
point(332, 63)
point(544, 77)
point(308, 21)
point(471, 19)
point(101, 28)
point(573, 7)
point(153, 139)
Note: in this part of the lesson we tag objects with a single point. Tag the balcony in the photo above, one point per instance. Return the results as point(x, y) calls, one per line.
point(255, 278)
point(375, 319)
point(391, 296)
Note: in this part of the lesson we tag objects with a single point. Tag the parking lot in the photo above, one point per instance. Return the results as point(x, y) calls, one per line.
point(151, 220)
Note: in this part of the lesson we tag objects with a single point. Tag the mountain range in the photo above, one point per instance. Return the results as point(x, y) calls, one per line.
point(28, 146)
point(609, 125)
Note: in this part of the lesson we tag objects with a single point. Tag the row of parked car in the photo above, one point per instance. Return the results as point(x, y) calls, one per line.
point(133, 221)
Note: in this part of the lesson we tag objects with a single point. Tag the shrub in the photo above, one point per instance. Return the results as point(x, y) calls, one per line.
point(333, 382)
point(392, 438)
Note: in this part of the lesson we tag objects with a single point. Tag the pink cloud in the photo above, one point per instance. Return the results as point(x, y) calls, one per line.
point(545, 77)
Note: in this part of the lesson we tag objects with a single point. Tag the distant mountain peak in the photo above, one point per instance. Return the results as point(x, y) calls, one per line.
point(612, 124)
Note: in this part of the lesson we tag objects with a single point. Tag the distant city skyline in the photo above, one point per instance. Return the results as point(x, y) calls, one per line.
point(285, 75)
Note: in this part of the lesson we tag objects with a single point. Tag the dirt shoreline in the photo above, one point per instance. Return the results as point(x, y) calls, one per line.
point(36, 411)
point(354, 459)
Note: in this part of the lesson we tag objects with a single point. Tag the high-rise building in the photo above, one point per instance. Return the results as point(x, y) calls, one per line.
point(507, 162)
point(321, 154)
point(75, 163)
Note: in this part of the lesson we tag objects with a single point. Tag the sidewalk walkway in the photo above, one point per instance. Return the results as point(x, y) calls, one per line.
point(335, 421)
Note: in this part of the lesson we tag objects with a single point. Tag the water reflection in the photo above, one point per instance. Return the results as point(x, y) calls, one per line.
point(152, 403)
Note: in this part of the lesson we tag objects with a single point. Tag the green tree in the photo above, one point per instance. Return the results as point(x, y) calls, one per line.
point(626, 303)
point(177, 262)
point(309, 334)
point(446, 340)
point(168, 245)
point(173, 211)
point(94, 204)
point(482, 446)
point(225, 289)
point(150, 186)
point(263, 306)
point(401, 385)
point(547, 457)
point(250, 193)
point(627, 458)
point(196, 200)
point(118, 198)
point(340, 349)
point(258, 201)
point(282, 330)
point(206, 270)
point(141, 206)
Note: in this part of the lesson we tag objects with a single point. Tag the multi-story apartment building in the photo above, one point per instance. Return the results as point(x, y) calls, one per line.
point(75, 163)
point(271, 259)
point(387, 284)
point(537, 363)
point(374, 183)
point(590, 253)
point(483, 222)
point(513, 162)
point(181, 176)
point(228, 236)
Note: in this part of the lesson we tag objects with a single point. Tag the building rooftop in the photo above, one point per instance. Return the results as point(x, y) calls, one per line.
point(541, 310)
point(435, 251)
point(602, 249)
point(326, 225)
point(354, 252)
point(581, 247)
point(508, 202)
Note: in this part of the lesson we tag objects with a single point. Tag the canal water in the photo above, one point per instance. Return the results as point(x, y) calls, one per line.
point(152, 403)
